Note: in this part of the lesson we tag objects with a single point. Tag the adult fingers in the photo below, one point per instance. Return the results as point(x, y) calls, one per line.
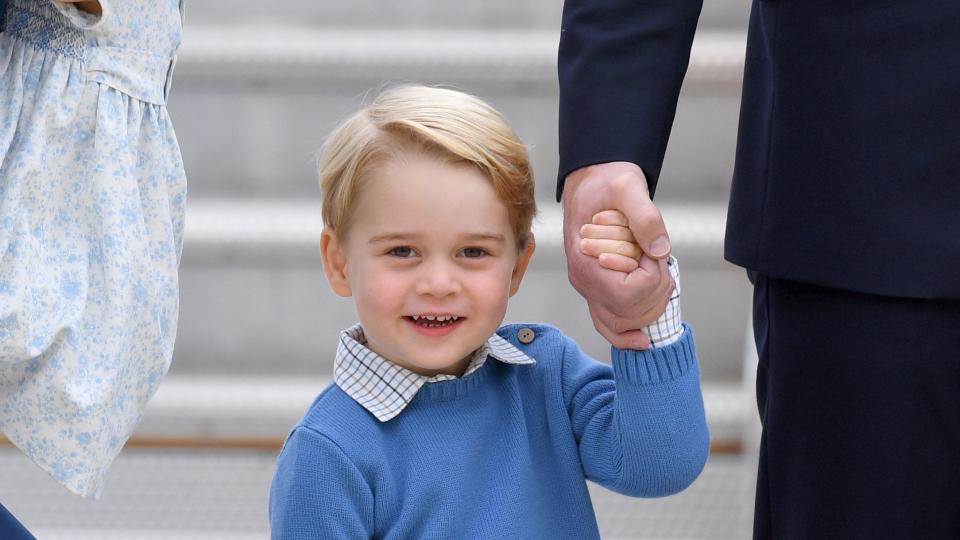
point(627, 339)
point(594, 248)
point(657, 309)
point(607, 232)
point(637, 319)
point(646, 291)
point(627, 301)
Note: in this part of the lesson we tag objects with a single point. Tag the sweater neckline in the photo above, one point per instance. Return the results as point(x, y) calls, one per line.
point(456, 388)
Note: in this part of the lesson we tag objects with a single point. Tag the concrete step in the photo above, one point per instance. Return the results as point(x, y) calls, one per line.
point(254, 300)
point(253, 105)
point(420, 13)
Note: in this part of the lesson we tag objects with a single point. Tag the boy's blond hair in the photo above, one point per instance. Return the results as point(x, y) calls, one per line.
point(446, 124)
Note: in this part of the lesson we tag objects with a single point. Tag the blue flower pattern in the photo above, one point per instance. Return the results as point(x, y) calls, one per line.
point(92, 195)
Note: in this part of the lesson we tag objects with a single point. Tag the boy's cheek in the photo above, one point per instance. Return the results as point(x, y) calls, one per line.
point(491, 295)
point(378, 295)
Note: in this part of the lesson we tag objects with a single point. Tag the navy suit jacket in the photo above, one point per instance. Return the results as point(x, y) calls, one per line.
point(847, 171)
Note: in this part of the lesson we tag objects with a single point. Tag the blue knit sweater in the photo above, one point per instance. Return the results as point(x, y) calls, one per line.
point(500, 453)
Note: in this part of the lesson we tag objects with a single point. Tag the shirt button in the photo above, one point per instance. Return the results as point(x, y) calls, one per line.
point(525, 335)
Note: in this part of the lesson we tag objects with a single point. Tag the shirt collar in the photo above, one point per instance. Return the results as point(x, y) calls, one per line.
point(384, 388)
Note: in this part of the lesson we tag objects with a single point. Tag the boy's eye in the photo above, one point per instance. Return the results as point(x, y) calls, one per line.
point(474, 252)
point(402, 251)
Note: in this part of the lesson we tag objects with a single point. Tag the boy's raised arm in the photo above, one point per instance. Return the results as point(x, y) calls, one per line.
point(640, 427)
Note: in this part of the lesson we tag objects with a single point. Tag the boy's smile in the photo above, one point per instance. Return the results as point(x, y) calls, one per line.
point(435, 325)
point(430, 259)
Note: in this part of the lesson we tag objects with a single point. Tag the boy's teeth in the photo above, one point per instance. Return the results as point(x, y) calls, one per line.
point(436, 318)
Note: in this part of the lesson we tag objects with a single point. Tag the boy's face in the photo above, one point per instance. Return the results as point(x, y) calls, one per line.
point(430, 259)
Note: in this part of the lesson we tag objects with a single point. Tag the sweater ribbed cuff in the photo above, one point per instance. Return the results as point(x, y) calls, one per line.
point(655, 366)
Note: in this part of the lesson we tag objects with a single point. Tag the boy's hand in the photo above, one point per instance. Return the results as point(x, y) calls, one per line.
point(610, 240)
point(620, 303)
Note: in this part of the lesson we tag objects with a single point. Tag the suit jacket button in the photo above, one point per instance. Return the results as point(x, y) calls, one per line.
point(525, 335)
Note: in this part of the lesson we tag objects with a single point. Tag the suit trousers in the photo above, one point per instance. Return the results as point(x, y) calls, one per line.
point(859, 396)
point(10, 528)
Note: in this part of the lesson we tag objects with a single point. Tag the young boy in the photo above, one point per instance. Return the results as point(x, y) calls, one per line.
point(439, 424)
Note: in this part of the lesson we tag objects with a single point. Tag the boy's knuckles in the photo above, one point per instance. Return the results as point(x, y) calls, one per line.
point(610, 218)
point(607, 232)
point(627, 249)
point(590, 231)
point(619, 263)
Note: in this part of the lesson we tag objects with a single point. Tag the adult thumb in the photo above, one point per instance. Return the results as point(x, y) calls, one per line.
point(648, 229)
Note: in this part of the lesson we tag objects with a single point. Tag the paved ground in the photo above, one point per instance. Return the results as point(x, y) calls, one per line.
point(222, 494)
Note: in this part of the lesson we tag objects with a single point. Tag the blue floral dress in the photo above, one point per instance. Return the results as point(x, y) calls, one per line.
point(92, 193)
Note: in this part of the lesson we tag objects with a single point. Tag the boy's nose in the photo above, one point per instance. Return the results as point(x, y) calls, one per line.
point(438, 280)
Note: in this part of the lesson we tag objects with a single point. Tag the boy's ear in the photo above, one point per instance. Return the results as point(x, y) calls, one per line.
point(334, 262)
point(523, 259)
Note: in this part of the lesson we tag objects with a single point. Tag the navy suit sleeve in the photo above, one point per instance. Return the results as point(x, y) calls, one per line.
point(621, 64)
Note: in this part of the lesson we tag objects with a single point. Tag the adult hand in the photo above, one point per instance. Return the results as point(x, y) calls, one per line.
point(620, 303)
